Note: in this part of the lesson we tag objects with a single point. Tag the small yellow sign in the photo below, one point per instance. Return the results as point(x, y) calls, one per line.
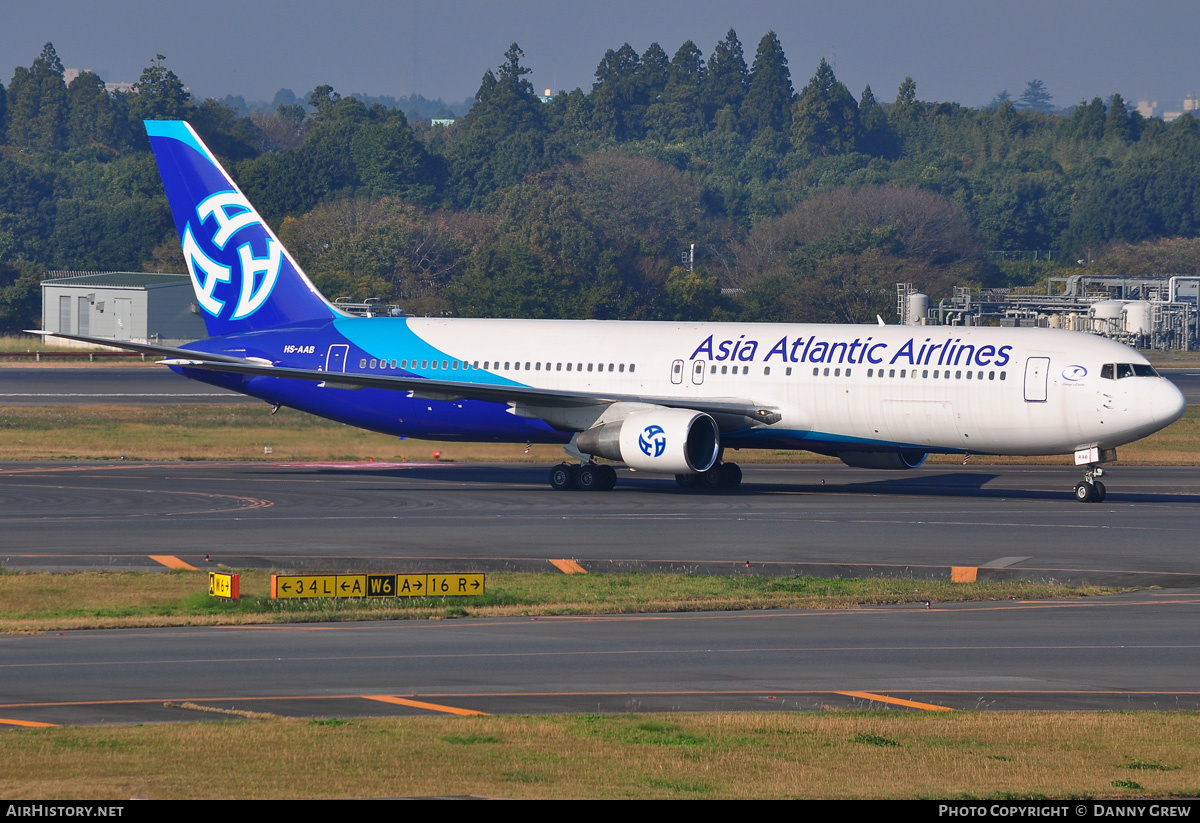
point(412, 585)
point(223, 584)
point(455, 585)
point(284, 586)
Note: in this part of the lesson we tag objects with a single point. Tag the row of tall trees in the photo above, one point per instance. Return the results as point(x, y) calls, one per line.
point(802, 203)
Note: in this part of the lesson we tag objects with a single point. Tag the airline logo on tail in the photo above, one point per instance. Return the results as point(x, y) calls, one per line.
point(230, 213)
point(243, 277)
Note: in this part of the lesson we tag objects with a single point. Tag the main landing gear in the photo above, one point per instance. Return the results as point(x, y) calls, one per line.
point(720, 476)
point(588, 477)
point(1091, 490)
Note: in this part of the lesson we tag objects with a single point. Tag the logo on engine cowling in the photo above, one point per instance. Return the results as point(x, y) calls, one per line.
point(652, 441)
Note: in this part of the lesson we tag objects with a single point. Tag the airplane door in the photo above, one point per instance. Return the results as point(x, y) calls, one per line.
point(677, 371)
point(1037, 371)
point(698, 372)
point(335, 360)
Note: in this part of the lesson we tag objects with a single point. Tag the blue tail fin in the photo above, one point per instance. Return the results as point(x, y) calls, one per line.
point(243, 276)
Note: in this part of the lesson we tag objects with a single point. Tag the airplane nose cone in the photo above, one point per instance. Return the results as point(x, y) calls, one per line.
point(1167, 403)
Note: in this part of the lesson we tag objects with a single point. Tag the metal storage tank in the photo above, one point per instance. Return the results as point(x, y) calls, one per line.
point(1138, 317)
point(918, 307)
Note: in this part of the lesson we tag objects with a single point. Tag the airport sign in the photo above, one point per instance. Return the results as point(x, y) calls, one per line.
point(308, 586)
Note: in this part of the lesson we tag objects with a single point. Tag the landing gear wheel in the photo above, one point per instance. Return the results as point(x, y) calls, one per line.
point(731, 475)
point(588, 478)
point(562, 477)
point(711, 479)
point(1100, 493)
point(608, 477)
point(1085, 492)
point(687, 481)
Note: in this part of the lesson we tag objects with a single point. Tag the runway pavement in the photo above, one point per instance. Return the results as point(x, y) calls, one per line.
point(1129, 652)
point(1015, 521)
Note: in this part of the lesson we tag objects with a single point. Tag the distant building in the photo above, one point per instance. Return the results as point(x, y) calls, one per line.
point(1168, 111)
point(137, 306)
point(548, 97)
point(442, 121)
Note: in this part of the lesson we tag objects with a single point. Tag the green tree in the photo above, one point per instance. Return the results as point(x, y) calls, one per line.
point(1087, 121)
point(1035, 98)
point(20, 292)
point(768, 103)
point(323, 98)
point(618, 106)
point(876, 134)
point(389, 160)
point(679, 112)
point(653, 74)
point(159, 94)
point(726, 78)
point(1118, 125)
point(93, 117)
point(904, 117)
point(228, 135)
point(825, 118)
point(502, 138)
point(999, 99)
point(37, 104)
point(690, 296)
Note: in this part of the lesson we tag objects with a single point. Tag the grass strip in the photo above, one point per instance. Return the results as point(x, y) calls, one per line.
point(1001, 755)
point(40, 601)
point(244, 432)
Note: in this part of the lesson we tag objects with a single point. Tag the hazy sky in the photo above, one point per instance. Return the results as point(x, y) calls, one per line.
point(964, 50)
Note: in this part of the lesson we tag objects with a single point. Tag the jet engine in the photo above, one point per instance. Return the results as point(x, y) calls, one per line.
point(883, 460)
point(657, 439)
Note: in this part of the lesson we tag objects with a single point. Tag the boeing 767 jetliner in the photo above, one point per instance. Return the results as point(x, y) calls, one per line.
point(661, 397)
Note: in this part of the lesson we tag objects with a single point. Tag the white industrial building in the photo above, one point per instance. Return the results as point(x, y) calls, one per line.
point(137, 306)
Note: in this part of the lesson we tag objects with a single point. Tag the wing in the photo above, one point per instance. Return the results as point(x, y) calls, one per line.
point(528, 397)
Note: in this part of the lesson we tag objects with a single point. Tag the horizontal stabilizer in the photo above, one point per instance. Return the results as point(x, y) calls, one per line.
point(144, 348)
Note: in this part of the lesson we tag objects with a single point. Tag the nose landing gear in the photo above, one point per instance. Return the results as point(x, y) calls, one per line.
point(1091, 490)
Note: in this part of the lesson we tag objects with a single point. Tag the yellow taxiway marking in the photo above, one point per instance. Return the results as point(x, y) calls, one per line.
point(963, 574)
point(912, 704)
point(33, 724)
point(417, 704)
point(568, 567)
point(172, 562)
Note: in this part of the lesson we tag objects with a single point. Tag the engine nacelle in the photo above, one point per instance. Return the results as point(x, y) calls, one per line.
point(658, 439)
point(883, 460)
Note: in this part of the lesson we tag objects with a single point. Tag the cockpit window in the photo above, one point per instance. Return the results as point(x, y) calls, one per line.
point(1110, 371)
